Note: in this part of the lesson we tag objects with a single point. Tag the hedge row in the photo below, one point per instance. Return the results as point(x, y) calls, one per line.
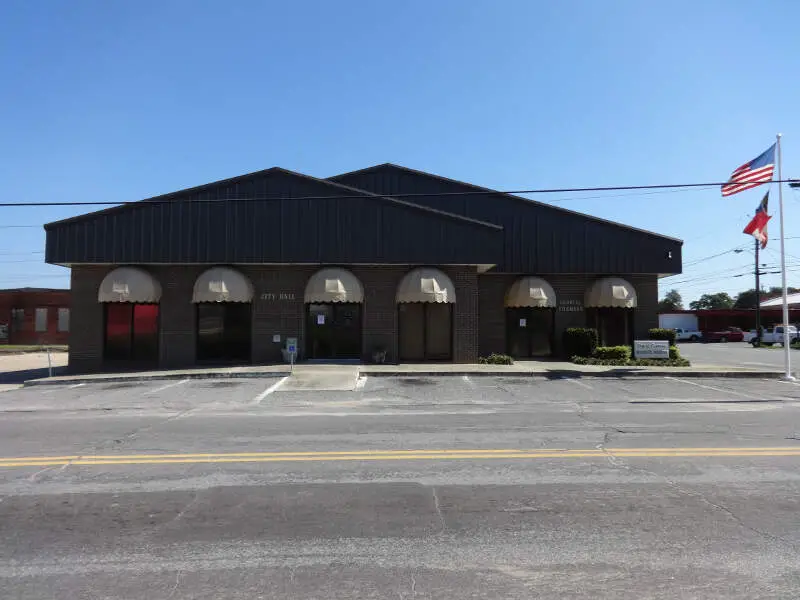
point(634, 362)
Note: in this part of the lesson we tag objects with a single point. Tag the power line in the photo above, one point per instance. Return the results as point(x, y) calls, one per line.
point(486, 192)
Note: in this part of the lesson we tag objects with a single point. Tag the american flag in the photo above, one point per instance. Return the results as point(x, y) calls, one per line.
point(751, 174)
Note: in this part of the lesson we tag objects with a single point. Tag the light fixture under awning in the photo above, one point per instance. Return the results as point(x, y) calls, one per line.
point(612, 292)
point(531, 292)
point(221, 284)
point(334, 285)
point(426, 285)
point(129, 284)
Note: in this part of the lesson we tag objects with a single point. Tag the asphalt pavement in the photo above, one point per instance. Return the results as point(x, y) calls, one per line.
point(446, 487)
point(738, 354)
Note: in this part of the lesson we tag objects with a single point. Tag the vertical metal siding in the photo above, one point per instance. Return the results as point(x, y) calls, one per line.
point(285, 227)
point(538, 239)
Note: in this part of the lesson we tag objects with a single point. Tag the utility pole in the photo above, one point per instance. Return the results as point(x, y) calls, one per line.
point(758, 294)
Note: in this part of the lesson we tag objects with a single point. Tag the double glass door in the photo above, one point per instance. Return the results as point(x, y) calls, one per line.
point(426, 331)
point(529, 332)
point(223, 331)
point(131, 332)
point(333, 331)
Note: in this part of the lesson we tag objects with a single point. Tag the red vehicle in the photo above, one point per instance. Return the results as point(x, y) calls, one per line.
point(728, 334)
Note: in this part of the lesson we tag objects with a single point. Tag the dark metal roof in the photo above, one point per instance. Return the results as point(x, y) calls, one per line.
point(345, 191)
point(351, 174)
point(273, 216)
point(539, 238)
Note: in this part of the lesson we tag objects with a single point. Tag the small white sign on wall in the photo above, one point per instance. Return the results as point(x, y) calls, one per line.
point(523, 322)
point(276, 338)
point(650, 349)
point(320, 319)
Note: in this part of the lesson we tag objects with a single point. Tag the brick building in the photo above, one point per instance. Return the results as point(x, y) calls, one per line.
point(382, 260)
point(30, 316)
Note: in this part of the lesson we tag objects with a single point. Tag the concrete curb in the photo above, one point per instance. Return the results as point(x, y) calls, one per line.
point(579, 374)
point(159, 377)
point(553, 374)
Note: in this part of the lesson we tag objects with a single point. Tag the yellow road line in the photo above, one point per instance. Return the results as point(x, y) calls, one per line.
point(394, 455)
point(565, 451)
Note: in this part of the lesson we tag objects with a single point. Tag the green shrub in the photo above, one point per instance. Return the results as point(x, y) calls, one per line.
point(622, 353)
point(634, 362)
point(579, 341)
point(674, 353)
point(663, 334)
point(496, 359)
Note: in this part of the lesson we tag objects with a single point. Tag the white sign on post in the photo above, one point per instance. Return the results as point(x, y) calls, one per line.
point(650, 349)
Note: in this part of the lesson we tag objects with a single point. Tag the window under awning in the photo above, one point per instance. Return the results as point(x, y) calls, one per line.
point(426, 285)
point(531, 292)
point(333, 285)
point(129, 284)
point(222, 284)
point(612, 292)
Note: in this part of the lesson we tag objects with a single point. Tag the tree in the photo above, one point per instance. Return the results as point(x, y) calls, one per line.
point(712, 301)
point(747, 299)
point(671, 301)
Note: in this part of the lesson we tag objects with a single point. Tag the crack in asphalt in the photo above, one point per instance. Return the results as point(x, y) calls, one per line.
point(620, 463)
point(438, 509)
point(183, 511)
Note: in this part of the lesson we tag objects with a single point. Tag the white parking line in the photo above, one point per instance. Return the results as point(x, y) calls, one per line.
point(77, 385)
point(269, 390)
point(711, 387)
point(758, 364)
point(361, 382)
point(164, 387)
point(578, 382)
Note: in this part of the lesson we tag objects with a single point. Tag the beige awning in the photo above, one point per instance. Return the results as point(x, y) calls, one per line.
point(222, 284)
point(334, 285)
point(426, 285)
point(531, 292)
point(129, 284)
point(611, 291)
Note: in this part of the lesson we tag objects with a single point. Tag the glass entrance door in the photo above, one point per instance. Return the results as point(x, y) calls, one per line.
point(333, 331)
point(425, 331)
point(529, 332)
point(223, 331)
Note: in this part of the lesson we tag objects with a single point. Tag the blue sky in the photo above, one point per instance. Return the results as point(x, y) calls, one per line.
point(117, 100)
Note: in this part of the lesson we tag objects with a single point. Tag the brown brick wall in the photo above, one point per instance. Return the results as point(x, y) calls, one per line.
point(176, 314)
point(493, 289)
point(278, 308)
point(465, 313)
point(29, 301)
point(86, 326)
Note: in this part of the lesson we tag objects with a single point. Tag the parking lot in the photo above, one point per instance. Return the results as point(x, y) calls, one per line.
point(443, 484)
point(737, 354)
point(270, 414)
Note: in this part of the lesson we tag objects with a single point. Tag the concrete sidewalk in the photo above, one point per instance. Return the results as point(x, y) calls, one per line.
point(16, 369)
point(545, 369)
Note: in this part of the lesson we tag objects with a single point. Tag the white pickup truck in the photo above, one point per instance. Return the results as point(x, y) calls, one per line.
point(772, 335)
point(691, 335)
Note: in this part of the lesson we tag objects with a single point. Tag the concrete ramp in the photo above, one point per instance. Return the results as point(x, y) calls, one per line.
point(322, 378)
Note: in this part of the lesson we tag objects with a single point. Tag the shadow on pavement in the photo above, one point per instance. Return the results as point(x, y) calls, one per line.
point(24, 375)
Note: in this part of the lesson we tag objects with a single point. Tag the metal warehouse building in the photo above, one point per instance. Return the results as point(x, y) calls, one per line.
point(386, 259)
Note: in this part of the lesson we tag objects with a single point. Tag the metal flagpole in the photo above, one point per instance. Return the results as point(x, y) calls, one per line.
point(787, 375)
point(758, 293)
